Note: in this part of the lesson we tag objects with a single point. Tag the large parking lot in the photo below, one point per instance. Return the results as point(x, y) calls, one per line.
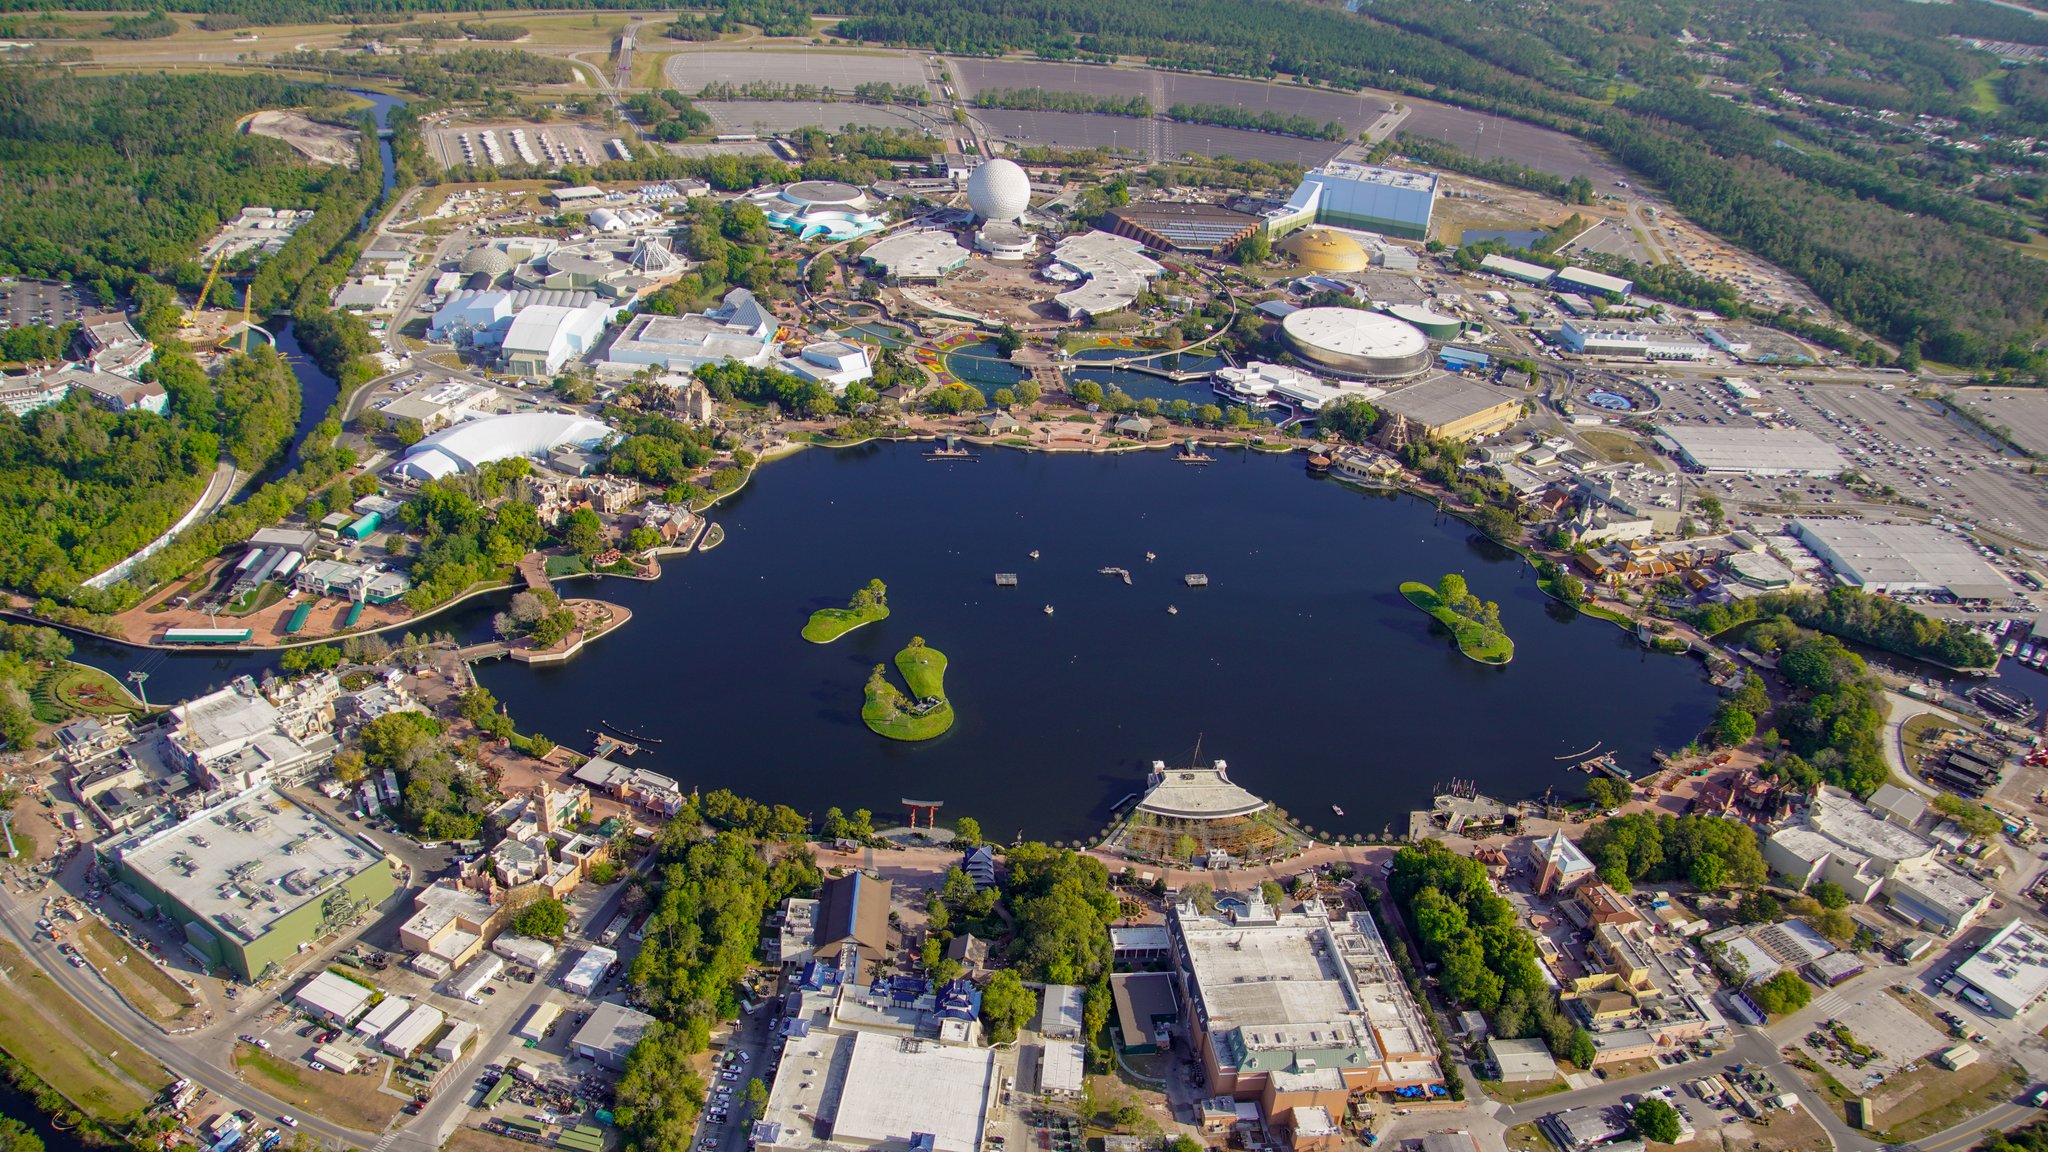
point(1911, 445)
point(24, 302)
point(839, 71)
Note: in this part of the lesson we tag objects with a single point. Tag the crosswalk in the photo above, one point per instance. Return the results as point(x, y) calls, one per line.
point(1828, 1006)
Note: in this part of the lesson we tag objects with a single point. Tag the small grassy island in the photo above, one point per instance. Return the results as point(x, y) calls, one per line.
point(867, 606)
point(924, 713)
point(1475, 624)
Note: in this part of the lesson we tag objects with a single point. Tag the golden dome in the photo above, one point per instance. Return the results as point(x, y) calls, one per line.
point(1321, 250)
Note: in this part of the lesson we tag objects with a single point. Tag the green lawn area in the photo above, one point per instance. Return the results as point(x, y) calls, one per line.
point(1517, 1093)
point(1549, 588)
point(1475, 640)
point(888, 711)
point(81, 689)
point(829, 624)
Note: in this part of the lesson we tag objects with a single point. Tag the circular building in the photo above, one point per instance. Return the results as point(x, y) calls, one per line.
point(1433, 324)
point(1321, 250)
point(493, 262)
point(1356, 343)
point(1005, 241)
point(823, 194)
point(999, 190)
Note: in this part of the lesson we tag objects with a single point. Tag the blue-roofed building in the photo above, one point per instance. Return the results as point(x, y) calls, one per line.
point(1461, 359)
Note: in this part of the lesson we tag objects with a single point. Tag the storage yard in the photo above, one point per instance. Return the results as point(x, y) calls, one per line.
point(549, 145)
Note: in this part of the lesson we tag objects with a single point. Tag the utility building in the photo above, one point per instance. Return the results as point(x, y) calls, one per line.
point(251, 879)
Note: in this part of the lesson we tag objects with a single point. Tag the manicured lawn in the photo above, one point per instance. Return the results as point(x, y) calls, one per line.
point(1549, 588)
point(80, 689)
point(829, 624)
point(1475, 640)
point(1518, 1092)
point(887, 709)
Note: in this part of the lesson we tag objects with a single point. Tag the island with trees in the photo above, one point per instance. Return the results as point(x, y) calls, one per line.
point(1475, 623)
point(925, 712)
point(868, 605)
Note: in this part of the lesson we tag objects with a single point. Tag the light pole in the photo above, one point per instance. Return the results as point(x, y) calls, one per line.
point(138, 678)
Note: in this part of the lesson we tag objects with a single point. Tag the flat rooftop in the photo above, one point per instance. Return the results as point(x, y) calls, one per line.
point(1780, 450)
point(1444, 400)
point(2012, 967)
point(1371, 174)
point(247, 863)
point(1270, 974)
point(1841, 817)
point(896, 1087)
point(1903, 556)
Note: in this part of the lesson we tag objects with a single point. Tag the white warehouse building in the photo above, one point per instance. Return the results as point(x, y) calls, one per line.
point(471, 444)
point(1901, 558)
point(1384, 200)
point(537, 330)
point(2011, 970)
point(1634, 341)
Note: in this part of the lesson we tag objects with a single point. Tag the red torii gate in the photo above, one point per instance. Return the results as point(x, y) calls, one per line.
point(930, 808)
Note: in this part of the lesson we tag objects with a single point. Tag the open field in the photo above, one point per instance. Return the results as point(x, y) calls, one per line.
point(477, 1140)
point(68, 1046)
point(1618, 447)
point(838, 69)
point(1931, 1099)
point(1519, 1092)
point(353, 1101)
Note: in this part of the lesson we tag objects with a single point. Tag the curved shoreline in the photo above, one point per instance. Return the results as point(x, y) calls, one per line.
point(787, 450)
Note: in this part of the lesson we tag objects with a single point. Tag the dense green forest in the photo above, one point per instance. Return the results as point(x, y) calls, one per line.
point(115, 177)
point(82, 487)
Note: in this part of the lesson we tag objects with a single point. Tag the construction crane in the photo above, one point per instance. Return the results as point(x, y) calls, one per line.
point(192, 317)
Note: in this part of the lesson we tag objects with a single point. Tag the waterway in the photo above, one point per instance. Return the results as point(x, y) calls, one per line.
point(1300, 664)
point(318, 390)
point(21, 1106)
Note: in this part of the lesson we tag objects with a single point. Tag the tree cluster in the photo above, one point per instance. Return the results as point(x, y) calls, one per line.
point(1858, 616)
point(1487, 960)
point(1709, 853)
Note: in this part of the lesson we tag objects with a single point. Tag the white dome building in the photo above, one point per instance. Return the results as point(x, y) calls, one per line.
point(1357, 343)
point(999, 190)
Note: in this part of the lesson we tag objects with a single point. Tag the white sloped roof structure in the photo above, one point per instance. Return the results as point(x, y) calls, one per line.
point(471, 444)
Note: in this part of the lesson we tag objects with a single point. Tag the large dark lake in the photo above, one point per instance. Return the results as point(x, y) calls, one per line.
point(1300, 663)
